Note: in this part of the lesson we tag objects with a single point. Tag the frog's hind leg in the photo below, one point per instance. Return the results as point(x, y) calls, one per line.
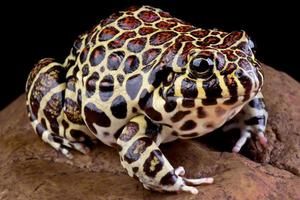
point(251, 121)
point(45, 101)
point(142, 158)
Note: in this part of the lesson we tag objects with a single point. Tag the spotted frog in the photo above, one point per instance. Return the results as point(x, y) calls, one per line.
point(141, 78)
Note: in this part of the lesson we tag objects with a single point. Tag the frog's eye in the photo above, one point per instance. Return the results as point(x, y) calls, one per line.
point(201, 67)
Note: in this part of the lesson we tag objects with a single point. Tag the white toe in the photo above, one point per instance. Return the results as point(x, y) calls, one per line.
point(190, 189)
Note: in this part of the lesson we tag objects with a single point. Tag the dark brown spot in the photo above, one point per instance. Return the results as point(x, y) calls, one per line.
point(65, 124)
point(106, 87)
point(220, 61)
point(200, 112)
point(150, 55)
point(102, 69)
point(188, 103)
point(148, 16)
point(164, 14)
point(209, 101)
point(208, 41)
point(130, 130)
point(83, 54)
point(189, 88)
point(187, 47)
point(150, 111)
point(147, 30)
point(169, 179)
point(135, 151)
point(135, 169)
point(184, 38)
point(133, 85)
point(145, 95)
point(85, 70)
point(200, 33)
point(232, 88)
point(73, 111)
point(246, 83)
point(97, 55)
point(94, 115)
point(77, 134)
point(188, 125)
point(108, 33)
point(257, 120)
point(220, 111)
point(119, 107)
point(131, 64)
point(170, 104)
point(257, 103)
point(161, 37)
point(230, 55)
point(106, 134)
point(129, 23)
point(91, 84)
point(120, 78)
point(134, 109)
point(114, 60)
point(175, 133)
point(179, 115)
point(137, 45)
point(212, 87)
point(184, 28)
point(152, 129)
point(71, 80)
point(165, 25)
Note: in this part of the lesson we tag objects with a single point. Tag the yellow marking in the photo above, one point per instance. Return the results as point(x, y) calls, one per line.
point(154, 162)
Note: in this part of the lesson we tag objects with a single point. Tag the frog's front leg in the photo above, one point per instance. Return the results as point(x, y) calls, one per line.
point(251, 121)
point(142, 158)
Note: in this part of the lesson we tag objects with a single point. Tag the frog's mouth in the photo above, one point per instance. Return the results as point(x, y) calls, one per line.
point(232, 100)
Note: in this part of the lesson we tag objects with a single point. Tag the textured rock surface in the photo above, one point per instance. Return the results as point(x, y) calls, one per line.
point(29, 169)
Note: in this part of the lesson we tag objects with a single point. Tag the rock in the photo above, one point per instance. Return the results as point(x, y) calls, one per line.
point(30, 169)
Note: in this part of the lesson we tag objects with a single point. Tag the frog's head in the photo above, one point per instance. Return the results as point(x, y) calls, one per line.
point(220, 71)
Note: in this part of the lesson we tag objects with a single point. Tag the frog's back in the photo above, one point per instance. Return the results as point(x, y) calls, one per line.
point(116, 60)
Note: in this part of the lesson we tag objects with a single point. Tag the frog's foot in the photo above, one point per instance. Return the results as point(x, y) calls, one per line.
point(245, 133)
point(187, 183)
point(173, 182)
point(251, 121)
point(63, 145)
point(142, 158)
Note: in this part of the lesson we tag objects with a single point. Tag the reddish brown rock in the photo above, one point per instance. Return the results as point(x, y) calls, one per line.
point(30, 169)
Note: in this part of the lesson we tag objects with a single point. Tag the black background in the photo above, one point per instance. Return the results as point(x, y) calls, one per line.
point(48, 29)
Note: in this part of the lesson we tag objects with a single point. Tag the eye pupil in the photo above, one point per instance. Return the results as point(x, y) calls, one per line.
point(201, 66)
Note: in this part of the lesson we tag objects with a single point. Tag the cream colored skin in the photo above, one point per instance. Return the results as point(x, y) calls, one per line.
point(135, 123)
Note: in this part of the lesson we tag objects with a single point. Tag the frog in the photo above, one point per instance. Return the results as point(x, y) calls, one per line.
point(141, 78)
